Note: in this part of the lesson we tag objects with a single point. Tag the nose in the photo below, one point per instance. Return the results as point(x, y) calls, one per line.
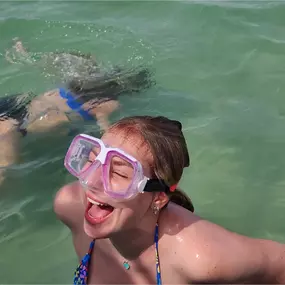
point(92, 178)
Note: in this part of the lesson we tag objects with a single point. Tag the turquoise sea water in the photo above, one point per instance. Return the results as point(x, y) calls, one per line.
point(219, 68)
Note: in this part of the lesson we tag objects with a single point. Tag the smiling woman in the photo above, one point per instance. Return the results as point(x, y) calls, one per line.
point(123, 201)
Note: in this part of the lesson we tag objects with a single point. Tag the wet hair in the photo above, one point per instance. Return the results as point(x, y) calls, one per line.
point(110, 85)
point(168, 147)
point(76, 53)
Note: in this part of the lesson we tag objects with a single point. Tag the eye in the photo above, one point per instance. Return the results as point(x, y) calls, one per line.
point(121, 175)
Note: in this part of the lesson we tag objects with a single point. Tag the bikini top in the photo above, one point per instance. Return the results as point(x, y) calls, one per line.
point(81, 272)
point(75, 105)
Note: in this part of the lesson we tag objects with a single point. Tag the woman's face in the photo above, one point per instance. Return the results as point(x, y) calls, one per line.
point(104, 215)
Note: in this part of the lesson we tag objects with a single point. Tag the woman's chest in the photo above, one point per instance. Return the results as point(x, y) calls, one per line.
point(107, 268)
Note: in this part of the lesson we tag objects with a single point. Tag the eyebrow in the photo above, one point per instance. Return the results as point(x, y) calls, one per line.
point(120, 162)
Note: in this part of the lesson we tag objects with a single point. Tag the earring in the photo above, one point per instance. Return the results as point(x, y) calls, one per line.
point(155, 209)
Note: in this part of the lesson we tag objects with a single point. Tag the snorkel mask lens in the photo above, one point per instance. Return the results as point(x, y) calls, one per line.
point(81, 154)
point(116, 173)
point(120, 173)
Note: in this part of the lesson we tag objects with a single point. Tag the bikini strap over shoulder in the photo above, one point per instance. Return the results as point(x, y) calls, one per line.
point(81, 272)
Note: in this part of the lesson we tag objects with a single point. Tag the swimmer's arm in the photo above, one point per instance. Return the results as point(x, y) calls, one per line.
point(102, 112)
point(225, 257)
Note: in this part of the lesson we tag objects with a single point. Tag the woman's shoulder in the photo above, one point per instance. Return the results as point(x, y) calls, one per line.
point(191, 228)
point(201, 247)
point(178, 217)
point(69, 208)
point(68, 205)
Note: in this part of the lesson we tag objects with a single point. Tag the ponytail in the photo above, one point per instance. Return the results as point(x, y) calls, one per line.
point(180, 198)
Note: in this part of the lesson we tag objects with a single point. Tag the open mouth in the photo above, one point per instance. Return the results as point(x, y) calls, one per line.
point(97, 212)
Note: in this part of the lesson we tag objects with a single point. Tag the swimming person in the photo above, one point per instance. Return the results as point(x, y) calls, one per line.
point(131, 224)
point(93, 98)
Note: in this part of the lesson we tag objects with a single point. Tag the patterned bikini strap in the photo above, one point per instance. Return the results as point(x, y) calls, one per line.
point(91, 246)
point(81, 272)
point(87, 257)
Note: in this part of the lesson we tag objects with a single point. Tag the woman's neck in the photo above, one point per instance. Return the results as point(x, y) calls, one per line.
point(132, 243)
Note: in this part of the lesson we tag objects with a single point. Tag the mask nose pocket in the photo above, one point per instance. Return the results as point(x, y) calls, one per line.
point(92, 177)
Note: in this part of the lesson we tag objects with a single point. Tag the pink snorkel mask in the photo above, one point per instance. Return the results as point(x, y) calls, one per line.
point(89, 159)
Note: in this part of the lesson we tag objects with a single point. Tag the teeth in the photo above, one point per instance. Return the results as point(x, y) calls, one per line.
point(94, 202)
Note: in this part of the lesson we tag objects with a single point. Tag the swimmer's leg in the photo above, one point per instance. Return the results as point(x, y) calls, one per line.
point(19, 50)
point(9, 145)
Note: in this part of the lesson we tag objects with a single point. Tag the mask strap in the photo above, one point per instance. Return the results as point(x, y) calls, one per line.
point(156, 185)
